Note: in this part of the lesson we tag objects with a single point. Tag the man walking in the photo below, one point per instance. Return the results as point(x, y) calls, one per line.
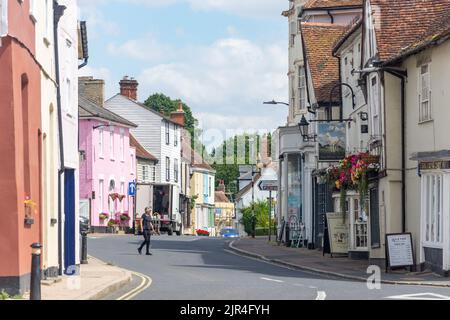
point(147, 228)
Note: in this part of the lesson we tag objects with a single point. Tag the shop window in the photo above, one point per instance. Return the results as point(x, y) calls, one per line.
point(432, 208)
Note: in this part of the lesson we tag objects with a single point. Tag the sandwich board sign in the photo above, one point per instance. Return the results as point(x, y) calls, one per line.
point(399, 251)
point(338, 234)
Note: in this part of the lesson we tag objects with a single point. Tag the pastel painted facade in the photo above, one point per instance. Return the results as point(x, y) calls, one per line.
point(21, 146)
point(203, 195)
point(109, 163)
point(45, 54)
point(158, 134)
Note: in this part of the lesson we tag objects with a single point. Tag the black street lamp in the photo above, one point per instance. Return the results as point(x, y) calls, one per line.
point(304, 130)
point(273, 102)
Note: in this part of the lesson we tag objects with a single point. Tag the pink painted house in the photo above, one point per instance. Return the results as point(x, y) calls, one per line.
point(107, 166)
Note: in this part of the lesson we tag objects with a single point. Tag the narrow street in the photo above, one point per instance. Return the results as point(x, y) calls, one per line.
point(186, 268)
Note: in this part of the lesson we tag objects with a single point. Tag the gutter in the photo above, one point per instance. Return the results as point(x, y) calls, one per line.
point(58, 12)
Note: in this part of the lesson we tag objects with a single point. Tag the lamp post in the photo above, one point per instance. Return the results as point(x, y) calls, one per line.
point(273, 102)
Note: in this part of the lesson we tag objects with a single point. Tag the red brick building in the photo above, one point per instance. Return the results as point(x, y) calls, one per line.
point(20, 145)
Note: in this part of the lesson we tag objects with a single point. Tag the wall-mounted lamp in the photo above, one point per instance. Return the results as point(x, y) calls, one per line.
point(102, 126)
point(364, 116)
point(304, 130)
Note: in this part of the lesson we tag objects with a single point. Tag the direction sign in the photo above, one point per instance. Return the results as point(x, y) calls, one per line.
point(132, 189)
point(268, 185)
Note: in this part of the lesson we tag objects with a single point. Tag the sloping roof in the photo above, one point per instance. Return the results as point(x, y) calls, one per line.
point(350, 30)
point(247, 188)
point(403, 27)
point(87, 109)
point(147, 108)
point(319, 39)
point(141, 152)
point(220, 196)
point(319, 4)
point(199, 162)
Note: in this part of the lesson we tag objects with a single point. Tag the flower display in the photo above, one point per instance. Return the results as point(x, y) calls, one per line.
point(113, 223)
point(125, 217)
point(352, 174)
point(203, 233)
point(103, 216)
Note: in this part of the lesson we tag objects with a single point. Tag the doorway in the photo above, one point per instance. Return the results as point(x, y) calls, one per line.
point(69, 222)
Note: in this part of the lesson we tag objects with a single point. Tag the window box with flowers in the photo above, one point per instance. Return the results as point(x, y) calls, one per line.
point(125, 218)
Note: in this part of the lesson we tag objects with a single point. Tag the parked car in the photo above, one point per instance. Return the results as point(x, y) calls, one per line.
point(84, 225)
point(229, 233)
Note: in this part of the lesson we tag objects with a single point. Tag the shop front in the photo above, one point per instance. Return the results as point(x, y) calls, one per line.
point(434, 173)
point(294, 205)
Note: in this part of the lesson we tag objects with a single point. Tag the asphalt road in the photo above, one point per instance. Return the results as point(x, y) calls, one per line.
point(190, 268)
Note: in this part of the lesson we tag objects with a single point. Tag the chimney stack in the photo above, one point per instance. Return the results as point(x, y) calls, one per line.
point(179, 115)
point(129, 88)
point(221, 186)
point(92, 89)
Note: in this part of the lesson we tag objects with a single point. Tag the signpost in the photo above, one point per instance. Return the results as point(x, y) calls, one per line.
point(271, 186)
point(132, 193)
point(399, 251)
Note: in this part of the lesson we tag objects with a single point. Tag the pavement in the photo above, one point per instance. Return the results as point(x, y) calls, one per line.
point(96, 280)
point(341, 267)
point(201, 268)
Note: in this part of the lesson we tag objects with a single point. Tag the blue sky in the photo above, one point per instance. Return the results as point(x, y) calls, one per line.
point(222, 57)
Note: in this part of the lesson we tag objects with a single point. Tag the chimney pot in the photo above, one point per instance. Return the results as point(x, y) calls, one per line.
point(179, 115)
point(129, 87)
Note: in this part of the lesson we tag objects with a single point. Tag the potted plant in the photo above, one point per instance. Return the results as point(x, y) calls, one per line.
point(125, 217)
point(103, 217)
point(112, 225)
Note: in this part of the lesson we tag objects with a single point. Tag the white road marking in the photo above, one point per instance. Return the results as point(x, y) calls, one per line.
point(420, 296)
point(311, 287)
point(298, 285)
point(273, 280)
point(321, 295)
point(145, 284)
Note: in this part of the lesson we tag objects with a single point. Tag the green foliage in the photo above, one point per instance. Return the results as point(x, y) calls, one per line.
point(165, 105)
point(261, 209)
point(5, 296)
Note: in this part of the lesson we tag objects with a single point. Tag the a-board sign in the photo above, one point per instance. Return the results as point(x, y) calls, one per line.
point(338, 232)
point(399, 250)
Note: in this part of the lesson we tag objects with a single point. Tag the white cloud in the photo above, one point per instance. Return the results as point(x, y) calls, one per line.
point(253, 8)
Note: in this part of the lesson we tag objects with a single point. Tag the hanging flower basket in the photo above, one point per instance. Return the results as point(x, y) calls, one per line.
point(353, 173)
point(114, 196)
point(125, 217)
point(121, 197)
point(103, 216)
point(113, 223)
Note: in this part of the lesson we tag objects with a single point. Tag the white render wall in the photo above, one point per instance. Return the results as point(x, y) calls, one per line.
point(68, 51)
point(45, 54)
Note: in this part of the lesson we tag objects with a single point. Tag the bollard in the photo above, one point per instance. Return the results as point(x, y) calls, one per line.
point(84, 258)
point(35, 286)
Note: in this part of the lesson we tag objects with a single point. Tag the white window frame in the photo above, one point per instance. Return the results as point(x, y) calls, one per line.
point(3, 18)
point(122, 145)
point(101, 194)
point(145, 173)
point(375, 106)
point(434, 209)
point(167, 133)
point(425, 114)
point(100, 143)
point(111, 207)
point(167, 169)
point(175, 133)
point(122, 192)
point(302, 96)
point(175, 170)
point(33, 10)
point(111, 144)
point(153, 174)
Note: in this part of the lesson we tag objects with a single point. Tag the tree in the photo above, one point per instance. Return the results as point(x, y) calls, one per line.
point(165, 105)
point(262, 216)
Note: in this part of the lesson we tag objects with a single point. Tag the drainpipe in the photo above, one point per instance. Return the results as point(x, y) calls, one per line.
point(402, 76)
point(58, 12)
point(331, 17)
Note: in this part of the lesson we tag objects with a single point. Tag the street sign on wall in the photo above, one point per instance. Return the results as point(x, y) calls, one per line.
point(132, 189)
point(268, 185)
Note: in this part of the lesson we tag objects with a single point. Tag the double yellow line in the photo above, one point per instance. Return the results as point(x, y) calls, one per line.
point(145, 284)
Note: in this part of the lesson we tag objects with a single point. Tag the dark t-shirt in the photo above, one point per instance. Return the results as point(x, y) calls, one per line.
point(146, 222)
